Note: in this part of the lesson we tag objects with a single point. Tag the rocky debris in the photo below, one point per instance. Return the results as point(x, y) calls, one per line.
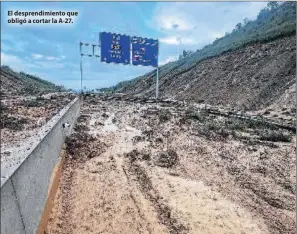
point(81, 127)
point(82, 118)
point(105, 115)
point(22, 115)
point(81, 145)
point(167, 158)
point(135, 155)
point(76, 142)
point(164, 115)
point(13, 123)
point(137, 139)
point(6, 153)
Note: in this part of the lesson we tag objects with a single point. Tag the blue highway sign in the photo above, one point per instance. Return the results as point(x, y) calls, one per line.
point(144, 51)
point(115, 48)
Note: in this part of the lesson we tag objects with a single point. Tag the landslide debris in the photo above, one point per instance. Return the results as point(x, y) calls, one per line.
point(167, 158)
point(164, 211)
point(182, 174)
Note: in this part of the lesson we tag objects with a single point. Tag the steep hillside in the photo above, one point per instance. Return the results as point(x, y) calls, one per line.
point(14, 83)
point(253, 77)
point(251, 67)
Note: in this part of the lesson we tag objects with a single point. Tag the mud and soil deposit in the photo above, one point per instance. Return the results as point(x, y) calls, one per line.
point(21, 120)
point(164, 168)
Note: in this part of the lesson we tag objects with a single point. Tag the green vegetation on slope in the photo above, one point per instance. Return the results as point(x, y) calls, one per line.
point(273, 22)
point(23, 83)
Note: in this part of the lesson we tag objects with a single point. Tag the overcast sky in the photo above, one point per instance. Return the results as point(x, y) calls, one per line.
point(51, 51)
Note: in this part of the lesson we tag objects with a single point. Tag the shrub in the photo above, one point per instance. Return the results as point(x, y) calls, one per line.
point(275, 136)
point(213, 125)
point(39, 98)
point(235, 124)
point(223, 132)
point(33, 103)
point(164, 116)
point(199, 116)
point(259, 124)
point(13, 123)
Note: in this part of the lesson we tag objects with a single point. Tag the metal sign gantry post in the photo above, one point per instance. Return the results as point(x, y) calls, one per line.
point(81, 69)
point(157, 83)
point(157, 80)
point(81, 65)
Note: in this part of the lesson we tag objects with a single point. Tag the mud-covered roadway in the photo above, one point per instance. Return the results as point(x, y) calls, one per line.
point(168, 168)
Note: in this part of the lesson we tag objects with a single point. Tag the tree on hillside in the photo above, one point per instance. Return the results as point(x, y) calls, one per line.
point(245, 21)
point(272, 5)
point(5, 67)
point(263, 14)
point(60, 87)
point(238, 26)
point(185, 54)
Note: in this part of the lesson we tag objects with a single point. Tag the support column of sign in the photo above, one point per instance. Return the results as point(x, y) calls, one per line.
point(157, 83)
point(81, 69)
point(157, 80)
point(89, 55)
